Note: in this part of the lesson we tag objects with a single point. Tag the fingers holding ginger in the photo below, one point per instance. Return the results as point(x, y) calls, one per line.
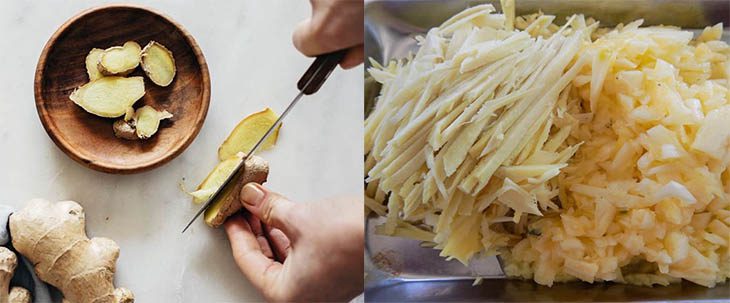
point(256, 170)
point(322, 246)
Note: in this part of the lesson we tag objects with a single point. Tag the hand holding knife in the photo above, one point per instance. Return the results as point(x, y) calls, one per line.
point(308, 84)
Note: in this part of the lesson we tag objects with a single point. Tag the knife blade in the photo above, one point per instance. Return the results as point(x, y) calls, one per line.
point(308, 84)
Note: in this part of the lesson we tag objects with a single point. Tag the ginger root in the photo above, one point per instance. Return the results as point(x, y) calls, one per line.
point(8, 263)
point(19, 295)
point(120, 60)
point(109, 97)
point(248, 132)
point(231, 153)
point(53, 237)
point(158, 63)
point(255, 170)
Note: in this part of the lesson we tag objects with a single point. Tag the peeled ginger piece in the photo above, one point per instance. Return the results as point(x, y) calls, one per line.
point(158, 63)
point(92, 64)
point(120, 60)
point(248, 132)
point(215, 178)
point(143, 123)
point(148, 121)
point(109, 97)
point(712, 138)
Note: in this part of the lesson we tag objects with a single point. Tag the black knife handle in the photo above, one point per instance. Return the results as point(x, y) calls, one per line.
point(318, 72)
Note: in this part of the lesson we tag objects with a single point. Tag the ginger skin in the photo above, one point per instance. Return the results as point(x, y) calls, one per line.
point(256, 170)
point(158, 64)
point(19, 295)
point(53, 237)
point(8, 263)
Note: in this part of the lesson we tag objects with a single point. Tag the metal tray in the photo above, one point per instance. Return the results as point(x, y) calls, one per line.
point(399, 270)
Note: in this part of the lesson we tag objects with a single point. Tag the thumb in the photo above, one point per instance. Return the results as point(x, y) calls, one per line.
point(271, 208)
point(305, 39)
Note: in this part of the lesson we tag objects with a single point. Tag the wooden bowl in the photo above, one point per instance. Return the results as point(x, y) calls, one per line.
point(89, 139)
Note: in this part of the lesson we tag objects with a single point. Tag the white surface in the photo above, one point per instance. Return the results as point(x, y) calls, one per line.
point(252, 64)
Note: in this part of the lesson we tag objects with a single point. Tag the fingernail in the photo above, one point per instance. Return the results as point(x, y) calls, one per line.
point(251, 194)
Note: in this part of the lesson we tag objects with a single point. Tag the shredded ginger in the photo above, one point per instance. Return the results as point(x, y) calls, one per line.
point(574, 152)
point(472, 130)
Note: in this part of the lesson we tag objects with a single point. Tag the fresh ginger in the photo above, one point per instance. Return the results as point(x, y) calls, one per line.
point(53, 237)
point(248, 132)
point(148, 121)
point(215, 178)
point(92, 64)
point(231, 153)
point(158, 63)
point(142, 125)
point(125, 129)
point(8, 263)
point(120, 60)
point(19, 295)
point(255, 170)
point(109, 97)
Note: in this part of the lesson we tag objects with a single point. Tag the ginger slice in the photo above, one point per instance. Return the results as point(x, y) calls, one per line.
point(92, 64)
point(120, 60)
point(158, 63)
point(215, 178)
point(109, 97)
point(248, 132)
point(147, 121)
point(255, 170)
point(143, 123)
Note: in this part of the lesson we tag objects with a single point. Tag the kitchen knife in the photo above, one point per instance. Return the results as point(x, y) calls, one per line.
point(308, 84)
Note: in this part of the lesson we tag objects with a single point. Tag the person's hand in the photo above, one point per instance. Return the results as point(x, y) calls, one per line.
point(334, 25)
point(290, 251)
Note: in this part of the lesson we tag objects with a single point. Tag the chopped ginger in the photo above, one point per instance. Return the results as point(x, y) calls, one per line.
point(574, 152)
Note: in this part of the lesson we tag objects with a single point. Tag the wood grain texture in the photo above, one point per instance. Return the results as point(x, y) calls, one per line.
point(89, 139)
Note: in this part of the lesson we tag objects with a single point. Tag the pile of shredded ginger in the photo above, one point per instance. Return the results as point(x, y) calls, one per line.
point(573, 152)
